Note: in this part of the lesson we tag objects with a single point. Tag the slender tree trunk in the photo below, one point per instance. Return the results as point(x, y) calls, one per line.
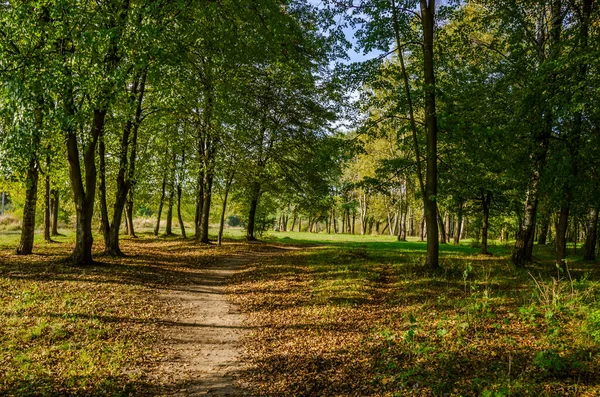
point(486, 199)
point(126, 231)
point(104, 222)
point(54, 197)
point(199, 204)
point(459, 221)
point(169, 228)
point(224, 208)
point(252, 214)
point(404, 216)
point(423, 226)
point(160, 204)
point(335, 225)
point(47, 203)
point(442, 230)
point(561, 235)
point(525, 235)
point(431, 126)
point(293, 222)
point(126, 174)
point(179, 217)
point(206, 208)
point(589, 253)
point(129, 213)
point(545, 225)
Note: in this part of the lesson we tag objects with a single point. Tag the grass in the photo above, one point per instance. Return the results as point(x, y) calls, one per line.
point(90, 330)
point(360, 316)
point(336, 315)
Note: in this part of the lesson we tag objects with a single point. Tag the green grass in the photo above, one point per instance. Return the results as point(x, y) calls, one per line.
point(361, 313)
point(334, 315)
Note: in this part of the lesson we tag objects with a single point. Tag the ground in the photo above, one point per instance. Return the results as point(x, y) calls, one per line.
point(295, 315)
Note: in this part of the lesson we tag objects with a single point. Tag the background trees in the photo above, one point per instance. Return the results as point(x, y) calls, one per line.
point(474, 119)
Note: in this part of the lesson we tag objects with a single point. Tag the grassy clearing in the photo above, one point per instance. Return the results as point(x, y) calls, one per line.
point(359, 316)
point(90, 331)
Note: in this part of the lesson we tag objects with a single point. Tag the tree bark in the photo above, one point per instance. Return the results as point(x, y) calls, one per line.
point(28, 227)
point(525, 235)
point(129, 213)
point(179, 217)
point(589, 252)
point(431, 126)
point(252, 213)
point(169, 228)
point(224, 208)
point(126, 174)
point(486, 199)
point(459, 221)
point(31, 182)
point(543, 231)
point(47, 203)
point(206, 208)
point(54, 206)
point(442, 229)
point(160, 204)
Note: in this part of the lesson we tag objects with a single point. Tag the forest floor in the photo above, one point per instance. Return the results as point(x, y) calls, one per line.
point(296, 315)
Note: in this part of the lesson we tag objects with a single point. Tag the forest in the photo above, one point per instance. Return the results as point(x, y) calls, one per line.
point(393, 197)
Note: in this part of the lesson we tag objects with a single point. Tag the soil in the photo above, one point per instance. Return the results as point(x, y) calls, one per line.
point(203, 332)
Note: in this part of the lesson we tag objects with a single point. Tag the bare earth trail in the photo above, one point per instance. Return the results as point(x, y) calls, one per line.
point(203, 332)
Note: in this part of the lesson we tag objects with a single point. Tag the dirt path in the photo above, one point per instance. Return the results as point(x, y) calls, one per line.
point(203, 333)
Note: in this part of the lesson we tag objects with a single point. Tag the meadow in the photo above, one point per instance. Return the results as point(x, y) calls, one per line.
point(337, 315)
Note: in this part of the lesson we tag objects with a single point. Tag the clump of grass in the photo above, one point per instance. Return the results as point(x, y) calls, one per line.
point(9, 222)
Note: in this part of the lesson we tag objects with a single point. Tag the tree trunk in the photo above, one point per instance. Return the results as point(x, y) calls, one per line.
point(442, 229)
point(129, 213)
point(126, 174)
point(104, 222)
point(423, 226)
point(47, 203)
point(293, 222)
point(31, 183)
point(252, 213)
point(428, 23)
point(486, 199)
point(224, 208)
point(589, 253)
point(206, 208)
point(459, 221)
point(447, 227)
point(404, 216)
point(561, 235)
point(181, 225)
point(525, 235)
point(543, 235)
point(54, 207)
point(28, 228)
point(169, 228)
point(160, 205)
point(199, 204)
point(84, 196)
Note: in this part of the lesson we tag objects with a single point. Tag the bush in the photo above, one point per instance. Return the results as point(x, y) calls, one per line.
point(144, 211)
point(234, 221)
point(593, 325)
